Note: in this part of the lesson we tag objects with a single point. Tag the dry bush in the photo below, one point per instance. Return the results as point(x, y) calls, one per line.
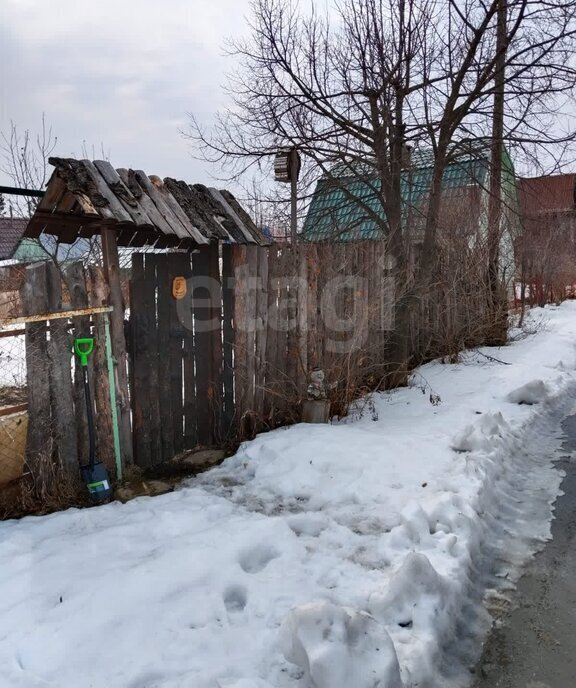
point(350, 331)
point(57, 490)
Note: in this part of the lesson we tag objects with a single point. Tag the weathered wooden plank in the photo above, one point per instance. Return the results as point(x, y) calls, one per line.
point(150, 260)
point(219, 198)
point(270, 400)
point(302, 319)
point(184, 307)
point(112, 274)
point(227, 340)
point(38, 444)
point(55, 189)
point(283, 389)
point(60, 377)
point(164, 386)
point(75, 279)
point(66, 315)
point(286, 321)
point(312, 305)
point(261, 330)
point(191, 202)
point(202, 342)
point(98, 293)
point(251, 326)
point(240, 332)
point(175, 352)
point(140, 366)
point(172, 223)
point(16, 408)
point(12, 333)
point(324, 275)
point(130, 204)
point(292, 363)
point(114, 206)
point(148, 208)
point(192, 231)
point(257, 236)
point(216, 390)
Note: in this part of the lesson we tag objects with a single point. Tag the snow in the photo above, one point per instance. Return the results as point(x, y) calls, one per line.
point(531, 393)
point(351, 555)
point(340, 648)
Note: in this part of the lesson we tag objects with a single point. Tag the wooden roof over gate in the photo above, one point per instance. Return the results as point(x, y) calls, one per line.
point(84, 195)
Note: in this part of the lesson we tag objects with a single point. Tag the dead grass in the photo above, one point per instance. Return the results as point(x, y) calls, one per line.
point(22, 498)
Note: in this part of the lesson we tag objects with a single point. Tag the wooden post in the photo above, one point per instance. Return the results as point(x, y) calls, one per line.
point(227, 339)
point(261, 330)
point(38, 444)
point(240, 332)
point(61, 390)
point(76, 283)
point(112, 274)
point(165, 383)
point(98, 295)
point(140, 368)
point(150, 261)
point(216, 390)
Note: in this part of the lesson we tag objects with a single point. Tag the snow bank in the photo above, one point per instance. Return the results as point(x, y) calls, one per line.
point(354, 555)
point(531, 393)
point(340, 648)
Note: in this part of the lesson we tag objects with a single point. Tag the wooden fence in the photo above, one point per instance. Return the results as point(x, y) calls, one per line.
point(57, 306)
point(222, 340)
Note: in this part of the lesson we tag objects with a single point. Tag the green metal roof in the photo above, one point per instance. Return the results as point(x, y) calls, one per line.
point(343, 205)
point(30, 251)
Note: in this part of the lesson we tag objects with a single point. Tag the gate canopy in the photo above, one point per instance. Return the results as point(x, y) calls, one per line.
point(83, 196)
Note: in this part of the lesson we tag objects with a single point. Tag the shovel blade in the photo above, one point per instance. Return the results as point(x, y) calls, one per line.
point(97, 482)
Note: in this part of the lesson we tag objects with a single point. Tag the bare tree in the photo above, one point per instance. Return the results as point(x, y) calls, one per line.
point(353, 87)
point(24, 159)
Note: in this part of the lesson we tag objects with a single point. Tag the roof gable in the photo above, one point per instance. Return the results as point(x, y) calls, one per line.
point(343, 205)
point(11, 232)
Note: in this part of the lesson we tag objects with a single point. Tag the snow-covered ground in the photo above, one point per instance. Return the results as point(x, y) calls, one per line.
point(354, 555)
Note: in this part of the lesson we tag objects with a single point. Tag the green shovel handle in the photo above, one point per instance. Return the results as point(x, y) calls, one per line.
point(83, 347)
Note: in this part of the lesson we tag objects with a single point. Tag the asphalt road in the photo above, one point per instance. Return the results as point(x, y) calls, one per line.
point(536, 645)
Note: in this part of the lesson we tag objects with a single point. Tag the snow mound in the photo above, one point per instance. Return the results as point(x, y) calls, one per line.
point(424, 607)
point(480, 436)
point(338, 647)
point(414, 597)
point(531, 393)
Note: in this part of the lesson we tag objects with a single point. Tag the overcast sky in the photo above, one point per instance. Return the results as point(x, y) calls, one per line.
point(121, 73)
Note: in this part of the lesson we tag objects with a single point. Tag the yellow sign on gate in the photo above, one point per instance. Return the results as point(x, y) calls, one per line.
point(179, 288)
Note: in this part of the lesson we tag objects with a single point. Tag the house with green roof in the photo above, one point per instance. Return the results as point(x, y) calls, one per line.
point(345, 202)
point(16, 248)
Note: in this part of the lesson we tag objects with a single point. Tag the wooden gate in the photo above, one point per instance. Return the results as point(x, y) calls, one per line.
point(181, 352)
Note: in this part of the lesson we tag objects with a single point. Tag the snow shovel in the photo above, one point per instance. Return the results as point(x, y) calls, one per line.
point(94, 474)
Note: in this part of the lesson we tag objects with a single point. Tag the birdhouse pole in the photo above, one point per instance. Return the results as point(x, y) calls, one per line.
point(295, 169)
point(287, 169)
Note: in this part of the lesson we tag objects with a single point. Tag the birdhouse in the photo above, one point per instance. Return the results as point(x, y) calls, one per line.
point(286, 163)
